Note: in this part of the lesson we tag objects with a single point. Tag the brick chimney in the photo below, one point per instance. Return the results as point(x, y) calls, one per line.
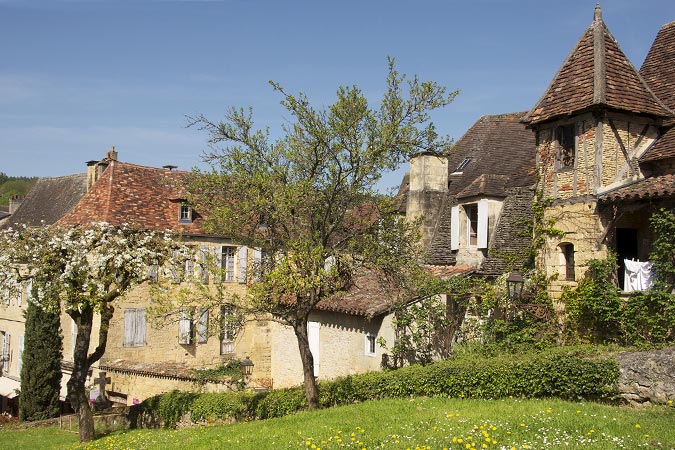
point(96, 168)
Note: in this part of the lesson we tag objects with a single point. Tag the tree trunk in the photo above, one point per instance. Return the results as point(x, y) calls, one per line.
point(77, 395)
point(82, 361)
point(311, 390)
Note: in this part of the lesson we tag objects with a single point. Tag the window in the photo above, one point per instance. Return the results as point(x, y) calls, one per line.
point(462, 165)
point(227, 330)
point(566, 146)
point(471, 224)
point(134, 327)
point(185, 327)
point(185, 214)
point(370, 344)
point(567, 260)
point(227, 263)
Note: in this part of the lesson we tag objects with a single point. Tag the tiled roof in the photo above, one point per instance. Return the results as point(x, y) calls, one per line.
point(485, 185)
point(372, 295)
point(649, 188)
point(494, 145)
point(596, 73)
point(658, 70)
point(137, 195)
point(663, 148)
point(401, 198)
point(49, 200)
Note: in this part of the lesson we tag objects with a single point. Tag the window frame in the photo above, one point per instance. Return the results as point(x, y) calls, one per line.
point(567, 261)
point(470, 210)
point(184, 214)
point(371, 344)
point(228, 262)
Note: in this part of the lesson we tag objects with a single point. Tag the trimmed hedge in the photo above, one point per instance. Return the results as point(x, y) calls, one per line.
point(563, 373)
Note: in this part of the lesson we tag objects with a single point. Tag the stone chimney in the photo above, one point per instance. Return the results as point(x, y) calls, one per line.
point(14, 203)
point(96, 168)
point(428, 187)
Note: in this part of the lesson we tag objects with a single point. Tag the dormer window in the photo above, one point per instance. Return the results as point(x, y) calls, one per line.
point(461, 166)
point(185, 214)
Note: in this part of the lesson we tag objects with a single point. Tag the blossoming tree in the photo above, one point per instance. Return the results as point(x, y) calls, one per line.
point(82, 271)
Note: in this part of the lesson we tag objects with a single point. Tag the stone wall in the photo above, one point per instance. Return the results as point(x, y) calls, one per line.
point(342, 347)
point(647, 377)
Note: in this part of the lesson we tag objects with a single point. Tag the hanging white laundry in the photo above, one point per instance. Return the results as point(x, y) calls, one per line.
point(638, 275)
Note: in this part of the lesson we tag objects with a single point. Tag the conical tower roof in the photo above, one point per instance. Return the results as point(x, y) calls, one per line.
point(596, 74)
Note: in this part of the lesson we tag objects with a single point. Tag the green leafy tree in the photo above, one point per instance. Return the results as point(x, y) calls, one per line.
point(82, 270)
point(308, 200)
point(41, 364)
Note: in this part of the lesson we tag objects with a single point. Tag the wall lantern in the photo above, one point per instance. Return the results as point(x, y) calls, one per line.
point(247, 366)
point(514, 284)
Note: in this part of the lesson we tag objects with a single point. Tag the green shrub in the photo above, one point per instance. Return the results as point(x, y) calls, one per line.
point(649, 316)
point(217, 406)
point(558, 372)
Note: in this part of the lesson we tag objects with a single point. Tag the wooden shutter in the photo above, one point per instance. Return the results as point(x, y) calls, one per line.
point(20, 360)
point(19, 296)
point(243, 264)
point(204, 264)
point(454, 228)
point(313, 338)
point(203, 326)
point(219, 263)
point(482, 224)
point(175, 271)
point(185, 328)
point(134, 327)
point(5, 351)
point(153, 272)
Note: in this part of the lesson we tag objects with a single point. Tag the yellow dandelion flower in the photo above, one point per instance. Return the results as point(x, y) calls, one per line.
point(637, 425)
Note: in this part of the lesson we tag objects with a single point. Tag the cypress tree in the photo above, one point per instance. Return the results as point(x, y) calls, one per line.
point(41, 367)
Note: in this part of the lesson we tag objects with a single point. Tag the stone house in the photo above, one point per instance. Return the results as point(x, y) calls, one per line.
point(604, 151)
point(475, 203)
point(47, 202)
point(144, 356)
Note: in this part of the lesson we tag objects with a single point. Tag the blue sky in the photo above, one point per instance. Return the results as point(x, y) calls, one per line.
point(77, 77)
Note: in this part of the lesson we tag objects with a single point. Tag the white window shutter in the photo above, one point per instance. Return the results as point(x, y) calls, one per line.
point(219, 263)
point(19, 296)
point(313, 338)
point(20, 361)
point(243, 263)
point(482, 224)
point(140, 327)
point(454, 228)
point(5, 350)
point(204, 264)
point(203, 327)
point(185, 328)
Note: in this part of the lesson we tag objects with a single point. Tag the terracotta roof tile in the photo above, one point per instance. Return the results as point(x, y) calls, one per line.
point(663, 148)
point(137, 195)
point(372, 295)
point(596, 74)
point(658, 70)
point(647, 189)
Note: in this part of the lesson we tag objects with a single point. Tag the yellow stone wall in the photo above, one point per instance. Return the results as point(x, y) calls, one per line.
point(342, 347)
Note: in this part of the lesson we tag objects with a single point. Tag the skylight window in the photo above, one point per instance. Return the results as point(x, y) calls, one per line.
point(462, 165)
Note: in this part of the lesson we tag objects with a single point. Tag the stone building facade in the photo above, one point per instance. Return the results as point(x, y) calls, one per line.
point(602, 142)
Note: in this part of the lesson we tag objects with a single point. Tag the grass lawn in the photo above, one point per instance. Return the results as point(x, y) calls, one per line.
point(423, 423)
